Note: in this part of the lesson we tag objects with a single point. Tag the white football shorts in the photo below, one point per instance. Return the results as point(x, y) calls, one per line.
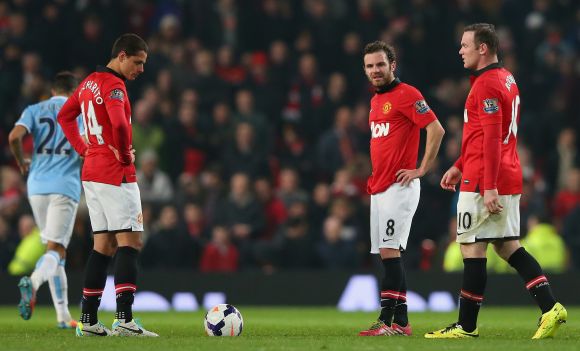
point(475, 223)
point(55, 216)
point(114, 208)
point(392, 212)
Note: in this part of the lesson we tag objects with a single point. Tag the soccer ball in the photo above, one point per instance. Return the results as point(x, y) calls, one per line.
point(223, 320)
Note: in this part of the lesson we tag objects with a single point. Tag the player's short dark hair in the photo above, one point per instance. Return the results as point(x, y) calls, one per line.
point(484, 33)
point(64, 82)
point(130, 43)
point(377, 46)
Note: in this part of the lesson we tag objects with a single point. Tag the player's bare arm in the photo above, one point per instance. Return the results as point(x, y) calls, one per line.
point(15, 140)
point(435, 134)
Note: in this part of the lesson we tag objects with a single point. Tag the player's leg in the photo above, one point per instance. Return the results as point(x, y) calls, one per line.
point(128, 225)
point(59, 226)
point(391, 217)
point(474, 230)
point(471, 294)
point(553, 313)
point(46, 264)
point(473, 286)
point(401, 318)
point(130, 243)
point(104, 247)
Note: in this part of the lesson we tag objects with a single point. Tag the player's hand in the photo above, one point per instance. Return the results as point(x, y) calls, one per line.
point(405, 176)
point(450, 179)
point(118, 157)
point(491, 201)
point(132, 155)
point(24, 166)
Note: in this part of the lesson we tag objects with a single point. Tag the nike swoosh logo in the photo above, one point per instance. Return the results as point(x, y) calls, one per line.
point(103, 333)
point(138, 331)
point(386, 240)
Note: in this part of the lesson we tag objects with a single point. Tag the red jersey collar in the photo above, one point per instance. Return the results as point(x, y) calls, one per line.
point(487, 68)
point(388, 87)
point(108, 70)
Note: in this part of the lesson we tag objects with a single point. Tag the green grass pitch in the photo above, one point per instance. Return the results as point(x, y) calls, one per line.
point(501, 329)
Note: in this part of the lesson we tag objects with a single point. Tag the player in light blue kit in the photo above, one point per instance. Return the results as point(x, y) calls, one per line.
point(54, 189)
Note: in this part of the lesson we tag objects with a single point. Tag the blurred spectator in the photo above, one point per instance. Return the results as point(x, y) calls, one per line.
point(189, 141)
point(294, 152)
point(219, 255)
point(571, 234)
point(273, 208)
point(245, 113)
point(154, 185)
point(562, 159)
point(146, 134)
point(242, 214)
point(305, 96)
point(545, 244)
point(246, 154)
point(205, 80)
point(241, 211)
point(294, 245)
point(336, 146)
point(169, 246)
point(289, 190)
point(227, 68)
point(30, 248)
point(568, 197)
point(334, 251)
point(343, 184)
point(7, 245)
point(220, 130)
point(195, 223)
point(319, 206)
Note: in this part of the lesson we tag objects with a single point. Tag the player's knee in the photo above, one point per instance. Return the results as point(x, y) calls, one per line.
point(137, 244)
point(505, 249)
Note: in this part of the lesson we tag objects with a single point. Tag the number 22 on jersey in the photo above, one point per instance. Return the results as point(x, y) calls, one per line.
point(91, 123)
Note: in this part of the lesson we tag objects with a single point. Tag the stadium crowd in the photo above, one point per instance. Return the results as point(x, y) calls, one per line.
point(251, 123)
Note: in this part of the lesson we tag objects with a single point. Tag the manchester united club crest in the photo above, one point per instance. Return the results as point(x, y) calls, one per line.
point(387, 107)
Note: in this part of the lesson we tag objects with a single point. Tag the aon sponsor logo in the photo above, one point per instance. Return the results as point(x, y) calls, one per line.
point(379, 129)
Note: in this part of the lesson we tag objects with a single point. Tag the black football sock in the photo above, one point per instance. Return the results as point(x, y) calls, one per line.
point(401, 317)
point(536, 282)
point(390, 288)
point(125, 282)
point(95, 280)
point(471, 295)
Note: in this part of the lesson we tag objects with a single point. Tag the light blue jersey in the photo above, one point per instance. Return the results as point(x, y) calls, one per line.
point(55, 167)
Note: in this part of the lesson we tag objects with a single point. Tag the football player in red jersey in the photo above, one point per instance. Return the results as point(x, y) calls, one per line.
point(488, 206)
point(110, 184)
point(398, 112)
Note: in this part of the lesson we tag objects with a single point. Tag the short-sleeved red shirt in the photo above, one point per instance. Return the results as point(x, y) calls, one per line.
point(398, 112)
point(102, 99)
point(493, 100)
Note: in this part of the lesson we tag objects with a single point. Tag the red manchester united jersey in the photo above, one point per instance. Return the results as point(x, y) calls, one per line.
point(489, 158)
point(397, 114)
point(102, 100)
